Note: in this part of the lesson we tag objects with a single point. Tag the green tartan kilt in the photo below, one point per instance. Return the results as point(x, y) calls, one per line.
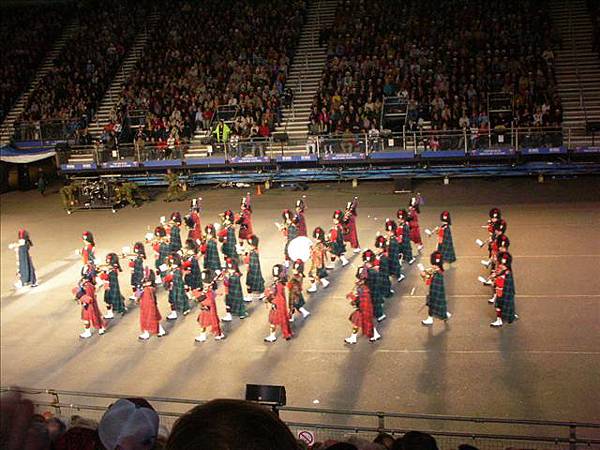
point(322, 272)
point(377, 292)
point(405, 247)
point(137, 274)
point(254, 279)
point(506, 303)
point(446, 248)
point(234, 300)
point(192, 279)
point(177, 297)
point(113, 296)
point(175, 240)
point(384, 277)
point(228, 247)
point(299, 302)
point(394, 267)
point(436, 299)
point(212, 260)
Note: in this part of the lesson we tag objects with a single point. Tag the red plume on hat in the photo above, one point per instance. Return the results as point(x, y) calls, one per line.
point(88, 237)
point(495, 213)
point(436, 259)
point(22, 233)
point(286, 214)
point(402, 214)
point(503, 241)
point(319, 233)
point(338, 214)
point(231, 263)
point(299, 265)
point(368, 255)
point(505, 259)
point(445, 217)
point(176, 217)
point(380, 242)
point(159, 231)
point(390, 225)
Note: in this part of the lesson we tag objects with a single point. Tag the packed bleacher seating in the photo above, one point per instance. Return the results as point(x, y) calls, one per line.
point(71, 92)
point(444, 57)
point(26, 34)
point(213, 55)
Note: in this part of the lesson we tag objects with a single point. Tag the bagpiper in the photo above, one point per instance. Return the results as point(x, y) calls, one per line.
point(289, 230)
point(349, 225)
point(25, 270)
point(362, 316)
point(375, 287)
point(227, 236)
point(192, 221)
point(382, 261)
point(90, 313)
point(234, 297)
point(245, 219)
point(191, 267)
point(174, 282)
point(175, 232)
point(212, 260)
point(403, 235)
point(413, 213)
point(276, 299)
point(436, 298)
point(395, 265)
point(255, 283)
point(295, 296)
point(208, 317)
point(149, 314)
point(89, 247)
point(336, 238)
point(300, 218)
point(499, 229)
point(445, 245)
point(113, 298)
point(137, 270)
point(160, 246)
point(504, 285)
point(318, 255)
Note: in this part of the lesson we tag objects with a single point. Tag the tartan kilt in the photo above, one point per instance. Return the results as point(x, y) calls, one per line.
point(405, 247)
point(192, 279)
point(394, 267)
point(254, 279)
point(137, 275)
point(208, 318)
point(112, 296)
point(92, 315)
point(506, 303)
point(228, 247)
point(175, 240)
point(436, 300)
point(376, 292)
point(322, 272)
point(384, 276)
point(163, 252)
point(234, 300)
point(177, 297)
point(212, 260)
point(446, 248)
point(338, 248)
point(299, 301)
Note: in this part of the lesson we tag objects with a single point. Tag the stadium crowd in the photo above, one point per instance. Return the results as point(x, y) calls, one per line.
point(443, 57)
point(213, 55)
point(134, 424)
point(22, 52)
point(72, 90)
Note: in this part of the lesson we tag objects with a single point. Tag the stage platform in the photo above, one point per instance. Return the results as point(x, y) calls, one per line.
point(540, 367)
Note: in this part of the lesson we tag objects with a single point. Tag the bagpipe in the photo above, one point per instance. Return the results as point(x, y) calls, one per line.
point(426, 272)
point(429, 232)
point(348, 213)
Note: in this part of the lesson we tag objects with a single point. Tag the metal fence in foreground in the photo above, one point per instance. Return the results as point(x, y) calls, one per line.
point(486, 433)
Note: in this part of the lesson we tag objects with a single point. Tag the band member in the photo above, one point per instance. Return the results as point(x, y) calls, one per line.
point(227, 236)
point(445, 245)
point(278, 314)
point(504, 285)
point(382, 261)
point(362, 317)
point(349, 225)
point(436, 298)
point(174, 282)
point(192, 221)
point(112, 291)
point(255, 283)
point(149, 314)
point(413, 221)
point(296, 299)
point(90, 313)
point(234, 298)
point(395, 266)
point(499, 230)
point(403, 235)
point(89, 247)
point(289, 230)
point(336, 238)
point(175, 232)
point(26, 271)
point(245, 219)
point(161, 251)
point(300, 218)
point(191, 267)
point(212, 260)
point(89, 272)
point(208, 317)
point(318, 256)
point(374, 285)
point(137, 270)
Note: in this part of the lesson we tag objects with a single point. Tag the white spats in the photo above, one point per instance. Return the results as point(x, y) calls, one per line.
point(497, 323)
point(144, 336)
point(227, 317)
point(351, 339)
point(109, 314)
point(172, 315)
point(324, 282)
point(86, 334)
point(271, 337)
point(344, 261)
point(376, 335)
point(200, 338)
point(428, 321)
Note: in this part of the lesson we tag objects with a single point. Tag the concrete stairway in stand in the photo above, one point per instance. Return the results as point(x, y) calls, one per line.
point(7, 128)
point(577, 70)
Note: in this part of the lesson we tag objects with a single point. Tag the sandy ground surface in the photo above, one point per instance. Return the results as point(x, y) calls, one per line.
point(544, 366)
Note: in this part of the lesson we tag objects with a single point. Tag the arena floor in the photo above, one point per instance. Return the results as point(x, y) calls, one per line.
point(541, 367)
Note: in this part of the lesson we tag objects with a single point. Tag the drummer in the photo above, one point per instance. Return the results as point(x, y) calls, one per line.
point(289, 230)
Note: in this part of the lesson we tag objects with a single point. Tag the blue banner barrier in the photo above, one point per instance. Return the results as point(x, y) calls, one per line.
point(296, 158)
point(587, 150)
point(491, 152)
point(249, 159)
point(204, 161)
point(392, 155)
point(163, 163)
point(544, 150)
point(430, 154)
point(344, 157)
point(38, 144)
point(119, 164)
point(78, 167)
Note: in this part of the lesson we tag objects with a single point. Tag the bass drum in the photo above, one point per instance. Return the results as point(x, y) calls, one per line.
point(299, 248)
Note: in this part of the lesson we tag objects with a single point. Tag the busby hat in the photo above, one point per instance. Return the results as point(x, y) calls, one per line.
point(502, 241)
point(88, 237)
point(278, 271)
point(390, 225)
point(160, 231)
point(319, 233)
point(231, 263)
point(368, 255)
point(505, 259)
point(300, 204)
point(338, 214)
point(445, 217)
point(139, 249)
point(495, 213)
point(298, 266)
point(436, 259)
point(402, 214)
point(176, 217)
point(361, 273)
point(500, 226)
point(380, 242)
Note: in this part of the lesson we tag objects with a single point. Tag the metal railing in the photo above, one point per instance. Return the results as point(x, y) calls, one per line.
point(326, 423)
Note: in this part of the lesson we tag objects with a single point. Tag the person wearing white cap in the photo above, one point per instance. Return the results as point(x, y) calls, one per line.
point(129, 423)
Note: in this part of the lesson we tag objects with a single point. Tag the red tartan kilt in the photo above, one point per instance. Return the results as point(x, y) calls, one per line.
point(352, 235)
point(415, 234)
point(149, 318)
point(93, 316)
point(356, 318)
point(245, 234)
point(278, 318)
point(208, 319)
point(195, 234)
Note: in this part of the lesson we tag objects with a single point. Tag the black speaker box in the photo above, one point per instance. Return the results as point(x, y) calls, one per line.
point(265, 394)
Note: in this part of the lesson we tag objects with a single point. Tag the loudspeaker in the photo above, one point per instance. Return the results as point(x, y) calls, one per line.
point(265, 394)
point(402, 185)
point(280, 137)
